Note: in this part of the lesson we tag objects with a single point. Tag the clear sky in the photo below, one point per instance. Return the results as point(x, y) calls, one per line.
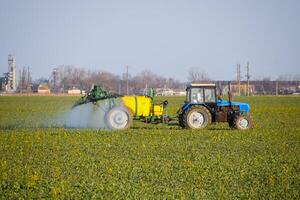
point(167, 37)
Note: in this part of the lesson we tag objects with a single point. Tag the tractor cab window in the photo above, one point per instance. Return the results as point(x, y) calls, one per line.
point(200, 95)
point(209, 95)
point(196, 95)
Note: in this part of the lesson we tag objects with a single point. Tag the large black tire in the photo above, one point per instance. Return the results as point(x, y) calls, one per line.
point(196, 117)
point(230, 123)
point(181, 121)
point(242, 122)
point(118, 118)
point(231, 119)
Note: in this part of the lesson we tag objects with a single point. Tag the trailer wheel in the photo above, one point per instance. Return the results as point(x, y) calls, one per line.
point(197, 117)
point(242, 122)
point(118, 118)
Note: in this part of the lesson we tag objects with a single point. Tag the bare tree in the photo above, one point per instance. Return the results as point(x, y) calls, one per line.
point(71, 76)
point(195, 75)
point(24, 80)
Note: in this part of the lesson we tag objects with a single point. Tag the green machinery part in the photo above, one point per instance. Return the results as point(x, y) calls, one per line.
point(97, 93)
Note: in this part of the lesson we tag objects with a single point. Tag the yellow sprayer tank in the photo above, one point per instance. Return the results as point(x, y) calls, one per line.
point(141, 106)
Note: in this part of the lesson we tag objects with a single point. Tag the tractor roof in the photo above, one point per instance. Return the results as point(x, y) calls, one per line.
point(201, 85)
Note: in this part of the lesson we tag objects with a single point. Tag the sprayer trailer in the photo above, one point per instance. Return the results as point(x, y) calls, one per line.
point(200, 109)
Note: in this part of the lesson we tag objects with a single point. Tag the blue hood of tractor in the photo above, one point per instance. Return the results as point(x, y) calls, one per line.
point(244, 107)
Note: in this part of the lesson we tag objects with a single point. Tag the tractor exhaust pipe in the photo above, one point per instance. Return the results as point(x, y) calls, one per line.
point(229, 93)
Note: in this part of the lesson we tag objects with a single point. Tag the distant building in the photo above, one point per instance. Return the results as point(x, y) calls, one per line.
point(54, 81)
point(243, 89)
point(178, 92)
point(43, 89)
point(11, 74)
point(164, 92)
point(74, 91)
point(2, 83)
point(8, 82)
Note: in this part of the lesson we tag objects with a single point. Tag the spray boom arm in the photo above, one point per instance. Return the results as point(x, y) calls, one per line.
point(94, 95)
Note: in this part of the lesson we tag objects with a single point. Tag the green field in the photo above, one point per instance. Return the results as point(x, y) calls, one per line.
point(41, 160)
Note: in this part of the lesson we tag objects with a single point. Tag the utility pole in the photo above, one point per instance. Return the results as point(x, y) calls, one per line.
point(119, 87)
point(248, 78)
point(127, 79)
point(28, 79)
point(28, 75)
point(276, 88)
point(20, 80)
point(239, 79)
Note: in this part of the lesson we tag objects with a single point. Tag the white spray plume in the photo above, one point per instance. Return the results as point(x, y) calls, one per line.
point(88, 115)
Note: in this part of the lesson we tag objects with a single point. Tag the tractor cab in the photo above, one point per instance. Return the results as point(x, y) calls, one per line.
point(200, 93)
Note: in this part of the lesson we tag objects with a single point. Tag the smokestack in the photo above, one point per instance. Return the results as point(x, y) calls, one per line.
point(11, 86)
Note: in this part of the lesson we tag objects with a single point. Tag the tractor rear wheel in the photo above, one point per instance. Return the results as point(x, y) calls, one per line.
point(197, 117)
point(118, 118)
point(181, 121)
point(242, 122)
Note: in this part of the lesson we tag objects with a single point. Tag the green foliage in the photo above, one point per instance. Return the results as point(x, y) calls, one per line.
point(148, 161)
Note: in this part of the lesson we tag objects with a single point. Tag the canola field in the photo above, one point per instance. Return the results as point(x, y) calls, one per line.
point(41, 159)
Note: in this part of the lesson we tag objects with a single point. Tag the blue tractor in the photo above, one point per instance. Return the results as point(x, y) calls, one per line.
point(202, 107)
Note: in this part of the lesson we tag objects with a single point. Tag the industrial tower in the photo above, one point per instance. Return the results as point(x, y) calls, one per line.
point(55, 80)
point(11, 74)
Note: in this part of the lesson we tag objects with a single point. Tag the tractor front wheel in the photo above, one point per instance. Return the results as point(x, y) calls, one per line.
point(118, 118)
point(197, 117)
point(231, 119)
point(242, 122)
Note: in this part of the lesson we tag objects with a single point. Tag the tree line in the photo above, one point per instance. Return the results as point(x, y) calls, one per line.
point(67, 77)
